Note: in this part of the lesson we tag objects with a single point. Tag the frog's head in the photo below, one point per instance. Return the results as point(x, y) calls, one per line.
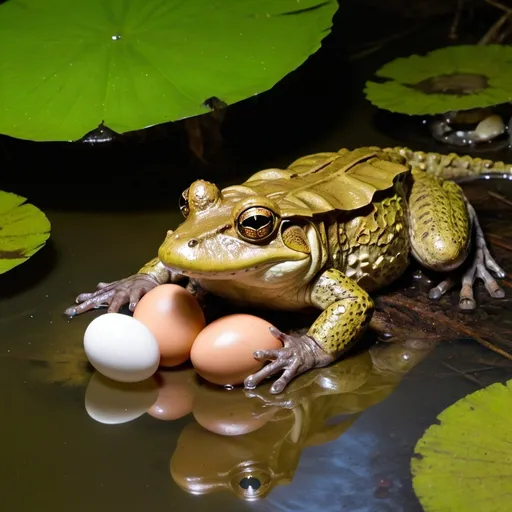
point(227, 233)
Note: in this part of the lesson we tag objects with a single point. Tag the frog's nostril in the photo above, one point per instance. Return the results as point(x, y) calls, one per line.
point(193, 242)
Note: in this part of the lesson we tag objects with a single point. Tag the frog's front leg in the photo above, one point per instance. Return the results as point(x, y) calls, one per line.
point(125, 291)
point(441, 225)
point(347, 310)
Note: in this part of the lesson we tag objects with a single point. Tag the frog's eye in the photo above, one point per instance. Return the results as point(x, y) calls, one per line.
point(256, 223)
point(184, 208)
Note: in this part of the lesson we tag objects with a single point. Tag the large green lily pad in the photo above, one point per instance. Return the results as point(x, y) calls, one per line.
point(465, 462)
point(24, 230)
point(453, 78)
point(67, 66)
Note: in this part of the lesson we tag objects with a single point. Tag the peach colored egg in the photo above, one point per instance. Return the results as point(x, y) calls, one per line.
point(176, 389)
point(223, 351)
point(174, 317)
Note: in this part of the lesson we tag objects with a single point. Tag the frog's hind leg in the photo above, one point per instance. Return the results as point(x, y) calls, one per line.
point(482, 263)
point(441, 225)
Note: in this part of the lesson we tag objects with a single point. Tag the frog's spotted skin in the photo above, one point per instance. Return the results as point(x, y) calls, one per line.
point(325, 232)
point(439, 224)
point(347, 309)
point(375, 246)
point(451, 166)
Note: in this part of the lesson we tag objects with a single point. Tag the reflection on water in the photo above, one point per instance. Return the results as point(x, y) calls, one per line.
point(112, 403)
point(249, 442)
point(337, 436)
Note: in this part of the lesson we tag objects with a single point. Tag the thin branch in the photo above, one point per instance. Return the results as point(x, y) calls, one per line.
point(499, 241)
point(456, 19)
point(499, 5)
point(471, 378)
point(454, 325)
point(493, 31)
point(499, 197)
point(374, 46)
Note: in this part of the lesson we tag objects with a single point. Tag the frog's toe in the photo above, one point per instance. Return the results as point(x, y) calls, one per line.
point(267, 371)
point(88, 301)
point(478, 270)
point(438, 291)
point(489, 263)
point(482, 263)
point(291, 371)
point(466, 298)
point(492, 286)
point(268, 355)
point(481, 267)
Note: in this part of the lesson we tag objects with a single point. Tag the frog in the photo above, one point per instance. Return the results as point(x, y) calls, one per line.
point(322, 234)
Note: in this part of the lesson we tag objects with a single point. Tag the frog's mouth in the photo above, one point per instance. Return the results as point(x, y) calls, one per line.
point(221, 256)
point(269, 271)
point(215, 274)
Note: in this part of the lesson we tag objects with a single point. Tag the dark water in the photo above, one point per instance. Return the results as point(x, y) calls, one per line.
point(338, 439)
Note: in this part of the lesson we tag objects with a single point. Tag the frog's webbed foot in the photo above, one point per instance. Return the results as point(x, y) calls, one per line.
point(114, 295)
point(299, 354)
point(483, 262)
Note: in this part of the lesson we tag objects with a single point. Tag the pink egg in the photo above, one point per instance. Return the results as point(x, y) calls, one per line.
point(223, 351)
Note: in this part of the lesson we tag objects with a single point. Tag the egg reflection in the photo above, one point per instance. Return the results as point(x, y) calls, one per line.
point(111, 402)
point(229, 413)
point(175, 394)
point(236, 446)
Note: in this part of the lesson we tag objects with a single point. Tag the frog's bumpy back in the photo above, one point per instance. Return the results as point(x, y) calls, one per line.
point(453, 166)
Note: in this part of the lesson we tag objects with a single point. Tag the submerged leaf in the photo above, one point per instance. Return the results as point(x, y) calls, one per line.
point(453, 78)
point(24, 230)
point(465, 463)
point(68, 66)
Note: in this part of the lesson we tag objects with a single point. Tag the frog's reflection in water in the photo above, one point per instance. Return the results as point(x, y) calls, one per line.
point(248, 442)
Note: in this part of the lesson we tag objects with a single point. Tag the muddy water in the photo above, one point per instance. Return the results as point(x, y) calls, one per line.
point(338, 439)
point(341, 437)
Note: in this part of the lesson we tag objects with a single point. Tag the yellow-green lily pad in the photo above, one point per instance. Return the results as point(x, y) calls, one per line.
point(66, 66)
point(465, 462)
point(454, 78)
point(24, 230)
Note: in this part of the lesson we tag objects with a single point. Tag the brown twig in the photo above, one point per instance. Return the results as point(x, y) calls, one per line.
point(499, 5)
point(456, 19)
point(375, 46)
point(505, 34)
point(471, 378)
point(495, 28)
point(499, 197)
point(454, 325)
point(504, 243)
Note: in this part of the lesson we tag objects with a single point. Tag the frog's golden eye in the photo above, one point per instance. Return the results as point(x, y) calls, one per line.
point(184, 208)
point(256, 223)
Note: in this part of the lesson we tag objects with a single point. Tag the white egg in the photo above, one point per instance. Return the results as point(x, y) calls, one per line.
point(112, 403)
point(121, 348)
